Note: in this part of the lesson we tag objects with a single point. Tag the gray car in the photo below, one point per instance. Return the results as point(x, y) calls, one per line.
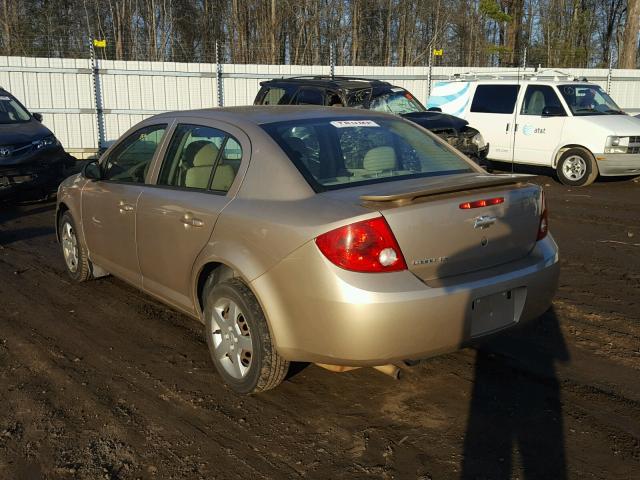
point(342, 237)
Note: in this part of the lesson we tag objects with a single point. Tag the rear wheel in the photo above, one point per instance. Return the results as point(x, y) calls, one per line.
point(75, 254)
point(239, 340)
point(577, 168)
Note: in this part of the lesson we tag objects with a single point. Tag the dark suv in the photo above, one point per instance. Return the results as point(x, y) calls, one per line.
point(31, 157)
point(374, 95)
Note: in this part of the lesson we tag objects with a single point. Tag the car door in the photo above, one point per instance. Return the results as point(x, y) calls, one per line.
point(177, 216)
point(492, 114)
point(539, 125)
point(109, 204)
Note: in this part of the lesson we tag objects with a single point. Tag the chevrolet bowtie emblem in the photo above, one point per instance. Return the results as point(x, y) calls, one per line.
point(484, 221)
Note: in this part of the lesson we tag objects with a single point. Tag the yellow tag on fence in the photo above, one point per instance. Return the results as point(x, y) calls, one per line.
point(99, 43)
point(437, 53)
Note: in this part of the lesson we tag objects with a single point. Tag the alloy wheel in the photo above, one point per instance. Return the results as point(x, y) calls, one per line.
point(231, 338)
point(70, 247)
point(574, 168)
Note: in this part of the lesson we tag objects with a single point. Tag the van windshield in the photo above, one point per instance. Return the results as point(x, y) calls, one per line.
point(589, 100)
point(333, 153)
point(11, 111)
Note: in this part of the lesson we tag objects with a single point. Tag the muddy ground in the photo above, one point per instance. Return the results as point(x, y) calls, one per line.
point(100, 381)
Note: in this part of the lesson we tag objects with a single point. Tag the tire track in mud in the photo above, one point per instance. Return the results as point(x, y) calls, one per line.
point(129, 390)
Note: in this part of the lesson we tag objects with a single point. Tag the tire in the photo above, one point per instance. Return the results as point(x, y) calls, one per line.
point(77, 264)
point(245, 357)
point(577, 168)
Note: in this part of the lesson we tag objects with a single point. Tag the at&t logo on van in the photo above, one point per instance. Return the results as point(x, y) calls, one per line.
point(530, 130)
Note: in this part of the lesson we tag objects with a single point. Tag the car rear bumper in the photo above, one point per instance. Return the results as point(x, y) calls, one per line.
point(611, 164)
point(320, 313)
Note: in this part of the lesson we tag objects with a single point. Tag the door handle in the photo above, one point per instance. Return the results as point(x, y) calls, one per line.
point(188, 221)
point(507, 129)
point(125, 207)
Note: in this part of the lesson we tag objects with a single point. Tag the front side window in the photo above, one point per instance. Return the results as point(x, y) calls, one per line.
point(131, 159)
point(537, 97)
point(200, 158)
point(11, 111)
point(589, 100)
point(333, 154)
point(398, 102)
point(495, 98)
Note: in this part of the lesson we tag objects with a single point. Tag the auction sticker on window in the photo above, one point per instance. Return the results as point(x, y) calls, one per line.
point(354, 123)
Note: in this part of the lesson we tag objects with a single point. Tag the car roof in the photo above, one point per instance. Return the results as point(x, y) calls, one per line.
point(265, 114)
point(347, 83)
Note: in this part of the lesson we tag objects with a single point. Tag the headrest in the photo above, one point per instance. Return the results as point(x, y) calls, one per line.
point(206, 156)
point(191, 150)
point(380, 158)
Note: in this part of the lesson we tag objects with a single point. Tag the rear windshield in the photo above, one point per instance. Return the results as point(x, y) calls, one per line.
point(334, 154)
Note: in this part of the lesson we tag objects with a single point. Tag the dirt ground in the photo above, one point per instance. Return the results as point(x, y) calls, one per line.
point(100, 381)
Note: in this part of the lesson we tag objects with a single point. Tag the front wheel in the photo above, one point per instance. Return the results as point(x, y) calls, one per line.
point(75, 254)
point(239, 340)
point(577, 168)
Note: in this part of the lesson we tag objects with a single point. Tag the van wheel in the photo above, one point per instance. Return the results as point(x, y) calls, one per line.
point(239, 341)
point(577, 168)
point(75, 254)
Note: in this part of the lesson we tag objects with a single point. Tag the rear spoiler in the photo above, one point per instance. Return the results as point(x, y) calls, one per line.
point(450, 186)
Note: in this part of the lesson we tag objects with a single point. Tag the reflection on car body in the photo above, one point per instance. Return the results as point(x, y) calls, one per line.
point(342, 237)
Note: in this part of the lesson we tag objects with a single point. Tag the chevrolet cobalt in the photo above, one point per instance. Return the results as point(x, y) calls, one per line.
point(342, 237)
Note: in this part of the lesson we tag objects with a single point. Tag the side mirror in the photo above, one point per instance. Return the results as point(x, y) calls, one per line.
point(434, 109)
point(91, 170)
point(553, 111)
point(38, 116)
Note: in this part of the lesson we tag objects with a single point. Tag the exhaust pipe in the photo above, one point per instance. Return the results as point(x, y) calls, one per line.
point(389, 369)
point(336, 368)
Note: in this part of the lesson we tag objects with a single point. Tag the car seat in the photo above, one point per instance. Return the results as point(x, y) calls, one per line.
point(186, 160)
point(197, 176)
point(379, 159)
point(536, 103)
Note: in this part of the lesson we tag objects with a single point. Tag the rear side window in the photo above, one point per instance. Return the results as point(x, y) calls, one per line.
point(309, 96)
point(275, 96)
point(200, 158)
point(333, 154)
point(495, 98)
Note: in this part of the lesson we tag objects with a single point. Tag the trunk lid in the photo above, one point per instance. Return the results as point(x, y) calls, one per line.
point(439, 239)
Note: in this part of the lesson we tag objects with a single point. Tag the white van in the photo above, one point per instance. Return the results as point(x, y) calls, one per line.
point(572, 126)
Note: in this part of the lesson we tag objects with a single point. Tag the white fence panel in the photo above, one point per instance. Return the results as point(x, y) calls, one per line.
point(63, 89)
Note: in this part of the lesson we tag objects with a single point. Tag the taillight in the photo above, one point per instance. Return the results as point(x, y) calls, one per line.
point(366, 246)
point(482, 203)
point(543, 227)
